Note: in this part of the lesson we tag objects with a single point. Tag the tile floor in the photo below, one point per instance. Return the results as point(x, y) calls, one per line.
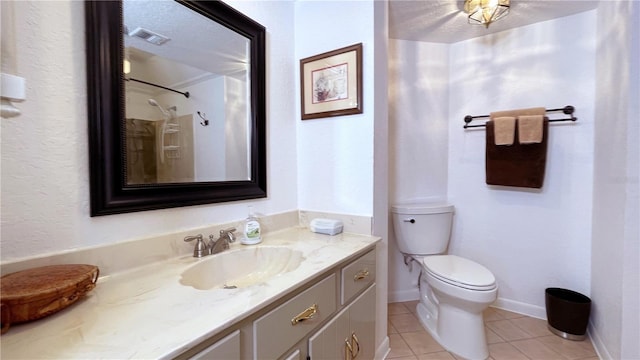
point(510, 336)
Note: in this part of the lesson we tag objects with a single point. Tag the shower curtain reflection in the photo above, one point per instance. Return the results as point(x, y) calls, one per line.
point(146, 139)
point(141, 152)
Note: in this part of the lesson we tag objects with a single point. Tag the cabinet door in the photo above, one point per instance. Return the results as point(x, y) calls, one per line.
point(362, 320)
point(354, 325)
point(329, 342)
point(227, 348)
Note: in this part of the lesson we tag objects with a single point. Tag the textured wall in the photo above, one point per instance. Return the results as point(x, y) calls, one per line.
point(615, 259)
point(419, 137)
point(44, 151)
point(45, 176)
point(335, 155)
point(528, 239)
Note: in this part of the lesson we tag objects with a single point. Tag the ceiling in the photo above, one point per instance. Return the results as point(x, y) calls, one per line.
point(439, 21)
point(195, 40)
point(444, 21)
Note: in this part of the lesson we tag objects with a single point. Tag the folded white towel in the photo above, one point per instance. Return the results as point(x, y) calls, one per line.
point(504, 129)
point(530, 129)
point(518, 112)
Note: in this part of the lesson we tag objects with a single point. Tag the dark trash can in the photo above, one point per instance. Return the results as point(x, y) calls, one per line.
point(567, 313)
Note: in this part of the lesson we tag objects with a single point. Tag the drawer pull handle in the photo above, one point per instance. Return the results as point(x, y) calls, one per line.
point(308, 314)
point(355, 339)
point(362, 274)
point(348, 350)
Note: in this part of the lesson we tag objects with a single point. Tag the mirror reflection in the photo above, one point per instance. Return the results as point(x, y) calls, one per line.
point(187, 106)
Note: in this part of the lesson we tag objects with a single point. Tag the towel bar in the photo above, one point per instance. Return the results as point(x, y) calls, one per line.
point(568, 110)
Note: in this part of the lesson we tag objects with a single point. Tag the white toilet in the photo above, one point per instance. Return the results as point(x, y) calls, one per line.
point(454, 291)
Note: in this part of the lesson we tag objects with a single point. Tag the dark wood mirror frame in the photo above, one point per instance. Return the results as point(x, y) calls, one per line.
point(106, 109)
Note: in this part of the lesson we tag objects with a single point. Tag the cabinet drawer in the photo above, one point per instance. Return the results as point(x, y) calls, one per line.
point(275, 332)
point(358, 275)
point(227, 348)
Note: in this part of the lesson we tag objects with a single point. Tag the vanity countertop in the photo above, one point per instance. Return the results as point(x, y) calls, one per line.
point(145, 313)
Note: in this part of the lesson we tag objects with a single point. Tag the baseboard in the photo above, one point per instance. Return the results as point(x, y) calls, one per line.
point(383, 350)
point(405, 295)
point(598, 344)
point(521, 308)
point(501, 303)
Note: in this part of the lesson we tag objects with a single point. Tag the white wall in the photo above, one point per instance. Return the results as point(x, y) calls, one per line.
point(615, 258)
point(335, 155)
point(208, 97)
point(220, 147)
point(236, 130)
point(590, 247)
point(418, 135)
point(45, 176)
point(381, 169)
point(419, 105)
point(529, 239)
point(45, 172)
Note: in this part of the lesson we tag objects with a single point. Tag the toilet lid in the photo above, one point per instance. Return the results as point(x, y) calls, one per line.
point(422, 208)
point(459, 271)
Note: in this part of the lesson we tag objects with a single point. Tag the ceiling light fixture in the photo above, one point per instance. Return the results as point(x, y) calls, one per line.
point(484, 12)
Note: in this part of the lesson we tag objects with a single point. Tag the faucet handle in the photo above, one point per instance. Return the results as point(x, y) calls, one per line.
point(229, 234)
point(193, 237)
point(200, 249)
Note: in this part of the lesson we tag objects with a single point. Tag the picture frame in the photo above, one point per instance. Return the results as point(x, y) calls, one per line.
point(331, 83)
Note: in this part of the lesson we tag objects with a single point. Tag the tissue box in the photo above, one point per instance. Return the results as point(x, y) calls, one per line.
point(326, 226)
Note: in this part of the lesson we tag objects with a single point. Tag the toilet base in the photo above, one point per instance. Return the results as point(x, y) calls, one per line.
point(459, 332)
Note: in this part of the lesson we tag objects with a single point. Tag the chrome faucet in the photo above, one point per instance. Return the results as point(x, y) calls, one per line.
point(222, 244)
point(214, 246)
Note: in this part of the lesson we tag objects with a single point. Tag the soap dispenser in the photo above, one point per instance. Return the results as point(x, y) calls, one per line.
point(252, 234)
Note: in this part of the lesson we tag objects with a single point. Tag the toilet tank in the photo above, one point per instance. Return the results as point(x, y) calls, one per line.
point(422, 229)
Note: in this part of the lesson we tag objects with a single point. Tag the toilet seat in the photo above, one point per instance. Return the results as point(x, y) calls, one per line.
point(460, 272)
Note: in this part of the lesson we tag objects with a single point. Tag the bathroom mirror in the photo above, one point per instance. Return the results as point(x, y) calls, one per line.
point(176, 95)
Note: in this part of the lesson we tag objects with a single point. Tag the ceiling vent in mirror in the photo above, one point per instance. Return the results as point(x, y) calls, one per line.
point(149, 36)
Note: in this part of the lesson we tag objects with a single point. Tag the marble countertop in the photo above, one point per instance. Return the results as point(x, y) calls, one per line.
point(145, 313)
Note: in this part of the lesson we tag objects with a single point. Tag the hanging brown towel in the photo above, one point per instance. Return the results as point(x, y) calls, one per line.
point(520, 165)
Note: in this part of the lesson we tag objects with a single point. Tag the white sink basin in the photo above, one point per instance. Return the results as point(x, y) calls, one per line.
point(241, 268)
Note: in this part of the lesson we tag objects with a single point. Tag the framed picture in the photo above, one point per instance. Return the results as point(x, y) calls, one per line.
point(331, 83)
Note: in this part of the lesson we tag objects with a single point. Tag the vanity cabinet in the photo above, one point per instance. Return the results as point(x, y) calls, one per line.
point(350, 334)
point(331, 317)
